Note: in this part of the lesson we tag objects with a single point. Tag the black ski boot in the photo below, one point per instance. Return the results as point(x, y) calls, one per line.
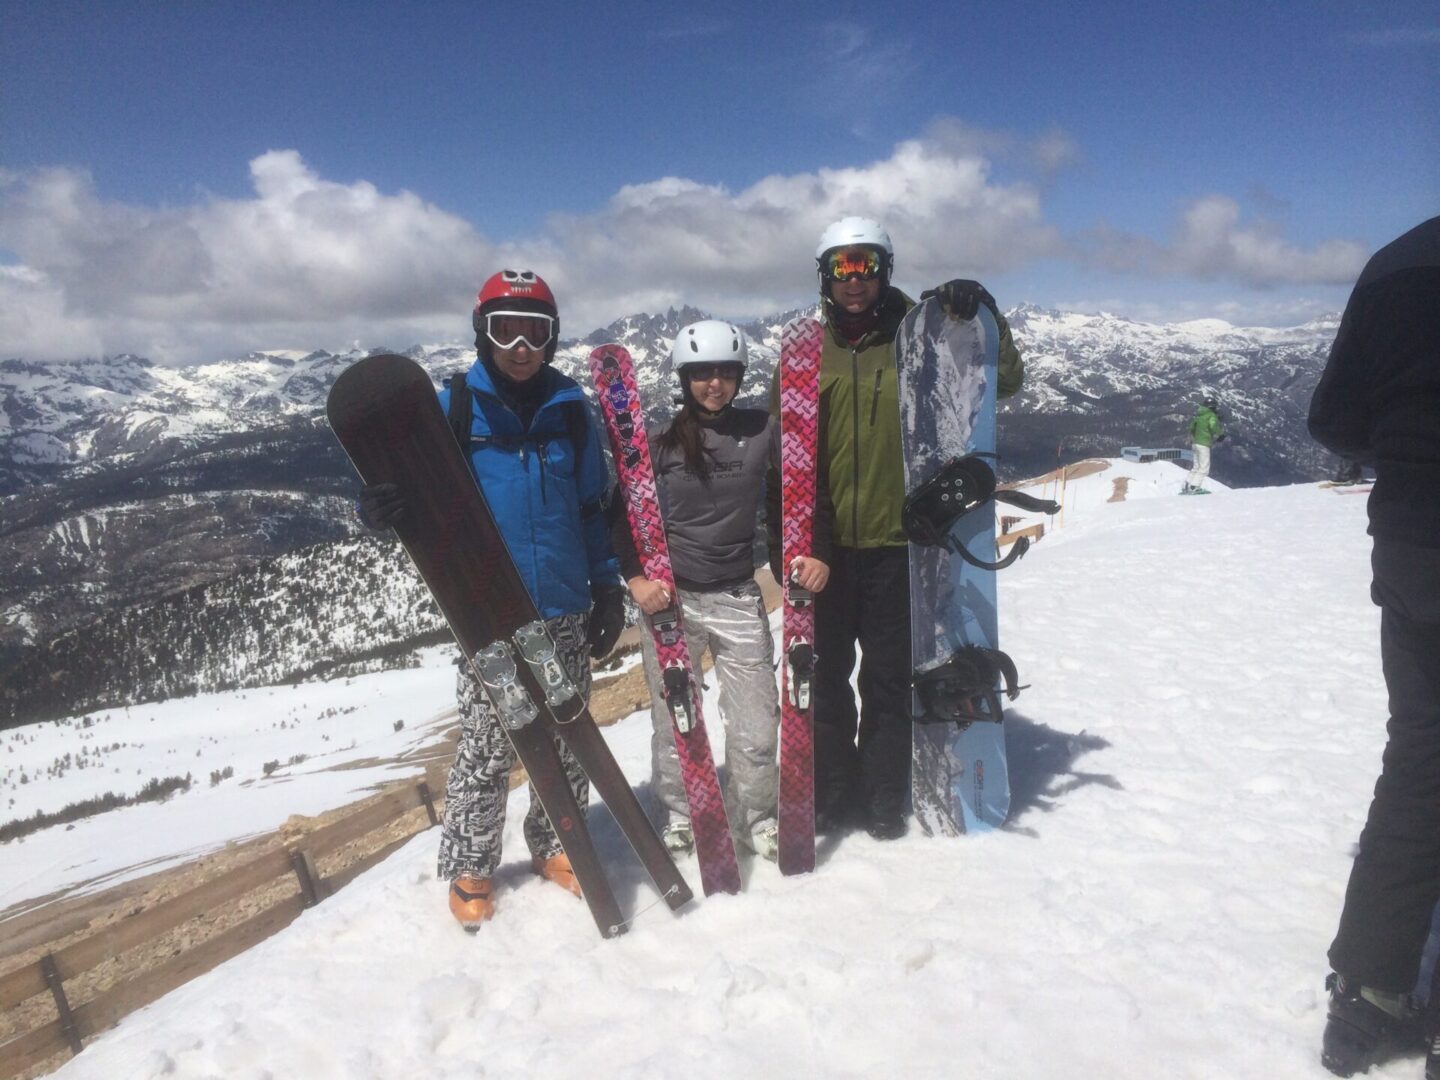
point(1359, 1021)
point(886, 826)
point(886, 817)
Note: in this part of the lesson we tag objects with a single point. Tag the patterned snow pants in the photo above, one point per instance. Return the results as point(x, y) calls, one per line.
point(479, 782)
point(732, 624)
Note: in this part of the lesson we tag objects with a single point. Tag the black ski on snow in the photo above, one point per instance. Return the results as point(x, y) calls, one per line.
point(385, 412)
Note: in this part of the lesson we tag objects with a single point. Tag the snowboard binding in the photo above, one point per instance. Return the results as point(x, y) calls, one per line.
point(954, 690)
point(962, 485)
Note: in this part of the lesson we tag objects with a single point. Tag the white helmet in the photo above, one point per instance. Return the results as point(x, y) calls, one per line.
point(710, 341)
point(850, 231)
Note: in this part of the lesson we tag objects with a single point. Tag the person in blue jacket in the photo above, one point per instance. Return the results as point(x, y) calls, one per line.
point(536, 454)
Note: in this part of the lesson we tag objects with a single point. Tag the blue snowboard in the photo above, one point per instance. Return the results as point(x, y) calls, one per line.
point(947, 374)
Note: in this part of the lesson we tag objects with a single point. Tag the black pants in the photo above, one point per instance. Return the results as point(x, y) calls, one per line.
point(867, 601)
point(1395, 882)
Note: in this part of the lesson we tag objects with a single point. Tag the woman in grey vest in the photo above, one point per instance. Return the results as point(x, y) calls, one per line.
point(711, 463)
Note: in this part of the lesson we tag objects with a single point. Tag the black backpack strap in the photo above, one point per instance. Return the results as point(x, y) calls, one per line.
point(577, 430)
point(577, 427)
point(462, 407)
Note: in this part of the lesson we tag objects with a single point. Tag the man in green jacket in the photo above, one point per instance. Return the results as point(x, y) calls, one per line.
point(1204, 433)
point(862, 758)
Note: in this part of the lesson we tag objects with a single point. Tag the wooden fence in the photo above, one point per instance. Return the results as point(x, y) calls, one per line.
point(1034, 532)
point(295, 863)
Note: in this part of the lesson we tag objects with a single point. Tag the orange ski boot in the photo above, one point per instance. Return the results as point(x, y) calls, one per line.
point(557, 869)
point(471, 901)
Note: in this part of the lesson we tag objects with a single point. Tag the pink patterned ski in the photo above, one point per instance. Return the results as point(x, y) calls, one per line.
point(614, 376)
point(800, 345)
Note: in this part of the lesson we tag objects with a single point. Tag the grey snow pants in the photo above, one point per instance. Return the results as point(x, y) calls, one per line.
point(479, 781)
point(732, 624)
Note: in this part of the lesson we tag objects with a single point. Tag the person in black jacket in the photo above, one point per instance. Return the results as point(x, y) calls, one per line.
point(1378, 401)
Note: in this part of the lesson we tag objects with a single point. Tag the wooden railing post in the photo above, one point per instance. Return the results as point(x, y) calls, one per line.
point(62, 1005)
point(425, 797)
point(135, 990)
point(305, 872)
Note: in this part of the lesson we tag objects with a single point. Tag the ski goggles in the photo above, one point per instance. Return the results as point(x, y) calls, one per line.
point(706, 372)
point(846, 263)
point(506, 329)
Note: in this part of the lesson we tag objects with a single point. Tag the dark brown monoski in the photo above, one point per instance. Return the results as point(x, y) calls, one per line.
point(385, 412)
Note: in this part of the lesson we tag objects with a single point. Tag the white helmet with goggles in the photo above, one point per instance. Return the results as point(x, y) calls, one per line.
point(850, 231)
point(709, 348)
point(836, 259)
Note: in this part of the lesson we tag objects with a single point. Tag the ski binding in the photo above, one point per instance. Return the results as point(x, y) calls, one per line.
point(666, 625)
point(498, 675)
point(800, 669)
point(677, 697)
point(538, 651)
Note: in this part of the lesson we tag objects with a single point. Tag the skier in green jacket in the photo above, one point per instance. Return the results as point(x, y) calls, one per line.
point(1205, 432)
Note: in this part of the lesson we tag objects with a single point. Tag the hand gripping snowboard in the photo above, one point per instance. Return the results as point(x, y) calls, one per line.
point(947, 375)
point(614, 376)
point(800, 343)
point(385, 412)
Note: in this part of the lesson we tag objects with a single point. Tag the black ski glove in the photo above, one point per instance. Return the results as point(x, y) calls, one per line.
point(961, 298)
point(381, 505)
point(1221, 438)
point(607, 619)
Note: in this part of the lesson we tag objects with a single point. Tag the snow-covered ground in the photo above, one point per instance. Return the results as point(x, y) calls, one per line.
point(1191, 766)
point(335, 727)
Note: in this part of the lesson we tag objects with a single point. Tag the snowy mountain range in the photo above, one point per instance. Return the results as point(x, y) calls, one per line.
point(124, 484)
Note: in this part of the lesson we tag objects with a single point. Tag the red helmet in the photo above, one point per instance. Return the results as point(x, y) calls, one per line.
point(514, 290)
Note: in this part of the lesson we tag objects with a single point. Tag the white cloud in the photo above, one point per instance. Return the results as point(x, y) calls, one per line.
point(1211, 242)
point(311, 262)
point(673, 240)
point(316, 261)
point(306, 259)
point(33, 321)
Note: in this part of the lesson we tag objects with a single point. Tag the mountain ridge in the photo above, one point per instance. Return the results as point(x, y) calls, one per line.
point(123, 483)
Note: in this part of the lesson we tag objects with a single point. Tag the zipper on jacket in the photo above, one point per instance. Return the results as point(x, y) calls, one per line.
point(875, 398)
point(855, 500)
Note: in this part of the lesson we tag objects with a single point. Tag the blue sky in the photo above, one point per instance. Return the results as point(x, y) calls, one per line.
point(187, 180)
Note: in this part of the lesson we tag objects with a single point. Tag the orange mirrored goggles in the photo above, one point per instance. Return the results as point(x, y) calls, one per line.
point(506, 329)
point(847, 263)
